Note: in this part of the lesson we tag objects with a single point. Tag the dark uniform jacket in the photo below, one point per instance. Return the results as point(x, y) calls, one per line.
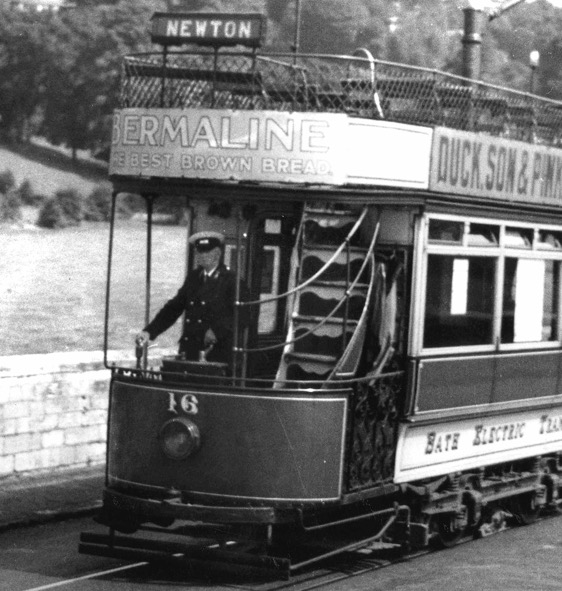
point(207, 304)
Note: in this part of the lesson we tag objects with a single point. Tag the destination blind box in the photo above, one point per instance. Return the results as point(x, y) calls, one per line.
point(209, 29)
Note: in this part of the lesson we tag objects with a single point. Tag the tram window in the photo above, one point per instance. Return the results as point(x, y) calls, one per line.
point(549, 240)
point(446, 231)
point(483, 235)
point(518, 237)
point(267, 322)
point(530, 301)
point(272, 226)
point(459, 307)
point(231, 258)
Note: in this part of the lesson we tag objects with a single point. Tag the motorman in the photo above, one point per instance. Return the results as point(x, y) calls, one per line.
point(207, 297)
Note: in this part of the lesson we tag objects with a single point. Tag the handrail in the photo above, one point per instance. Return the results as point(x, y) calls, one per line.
point(369, 258)
point(324, 320)
point(317, 274)
point(435, 97)
point(248, 383)
point(372, 69)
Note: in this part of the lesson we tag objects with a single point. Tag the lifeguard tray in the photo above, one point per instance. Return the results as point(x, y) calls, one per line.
point(197, 370)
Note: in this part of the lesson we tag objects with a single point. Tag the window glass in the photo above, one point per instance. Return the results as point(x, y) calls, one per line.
point(518, 238)
point(445, 231)
point(549, 240)
point(551, 302)
point(267, 322)
point(459, 301)
point(483, 235)
point(530, 301)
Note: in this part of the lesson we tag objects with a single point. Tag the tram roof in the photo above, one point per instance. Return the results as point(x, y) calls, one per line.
point(356, 85)
point(333, 120)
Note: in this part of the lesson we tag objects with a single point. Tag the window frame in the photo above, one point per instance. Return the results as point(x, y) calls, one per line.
point(500, 253)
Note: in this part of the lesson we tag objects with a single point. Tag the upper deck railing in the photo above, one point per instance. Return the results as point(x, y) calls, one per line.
point(358, 86)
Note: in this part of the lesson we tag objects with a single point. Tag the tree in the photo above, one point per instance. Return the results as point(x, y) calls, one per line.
point(423, 35)
point(82, 87)
point(23, 40)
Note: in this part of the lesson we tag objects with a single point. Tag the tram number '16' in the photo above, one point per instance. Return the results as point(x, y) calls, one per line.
point(188, 403)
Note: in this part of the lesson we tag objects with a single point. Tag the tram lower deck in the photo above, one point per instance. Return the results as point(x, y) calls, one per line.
point(389, 246)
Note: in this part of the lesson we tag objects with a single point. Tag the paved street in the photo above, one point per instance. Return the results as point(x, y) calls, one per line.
point(522, 559)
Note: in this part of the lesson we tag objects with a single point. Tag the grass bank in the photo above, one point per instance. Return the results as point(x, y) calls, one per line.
point(52, 293)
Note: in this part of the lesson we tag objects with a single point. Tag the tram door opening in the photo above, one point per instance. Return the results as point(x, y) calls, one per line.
point(267, 264)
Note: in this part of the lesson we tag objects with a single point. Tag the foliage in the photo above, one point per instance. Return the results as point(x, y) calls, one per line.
point(23, 41)
point(71, 204)
point(59, 76)
point(27, 195)
point(51, 215)
point(65, 209)
point(82, 83)
point(7, 181)
point(98, 205)
point(10, 204)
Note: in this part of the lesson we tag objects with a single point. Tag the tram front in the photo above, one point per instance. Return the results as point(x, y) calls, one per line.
point(262, 289)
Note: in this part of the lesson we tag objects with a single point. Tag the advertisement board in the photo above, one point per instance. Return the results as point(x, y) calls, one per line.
point(221, 144)
point(268, 146)
point(468, 163)
point(432, 449)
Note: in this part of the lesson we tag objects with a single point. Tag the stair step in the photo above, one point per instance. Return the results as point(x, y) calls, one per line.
point(360, 287)
point(304, 320)
point(333, 289)
point(327, 343)
point(332, 220)
point(337, 271)
point(313, 210)
point(329, 226)
point(321, 250)
point(297, 373)
point(312, 358)
point(310, 303)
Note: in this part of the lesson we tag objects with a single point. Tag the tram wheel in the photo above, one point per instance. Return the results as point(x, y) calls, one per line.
point(525, 509)
point(449, 529)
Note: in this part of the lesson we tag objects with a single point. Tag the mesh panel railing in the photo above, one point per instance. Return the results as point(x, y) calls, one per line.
point(352, 85)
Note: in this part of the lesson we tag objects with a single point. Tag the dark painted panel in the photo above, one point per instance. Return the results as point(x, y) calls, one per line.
point(449, 383)
point(526, 376)
point(467, 381)
point(251, 446)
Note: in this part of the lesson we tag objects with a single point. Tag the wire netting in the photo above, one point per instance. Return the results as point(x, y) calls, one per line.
point(357, 86)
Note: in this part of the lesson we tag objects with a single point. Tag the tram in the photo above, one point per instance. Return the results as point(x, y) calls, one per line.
point(395, 234)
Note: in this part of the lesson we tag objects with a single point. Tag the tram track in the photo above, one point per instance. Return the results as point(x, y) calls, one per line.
point(337, 572)
point(360, 563)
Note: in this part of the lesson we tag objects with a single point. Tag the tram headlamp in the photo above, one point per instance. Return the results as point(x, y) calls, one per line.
point(179, 438)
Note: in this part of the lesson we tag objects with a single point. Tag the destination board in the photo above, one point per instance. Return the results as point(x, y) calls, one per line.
point(208, 29)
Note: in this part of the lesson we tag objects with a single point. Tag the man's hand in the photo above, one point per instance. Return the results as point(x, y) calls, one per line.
point(210, 338)
point(142, 338)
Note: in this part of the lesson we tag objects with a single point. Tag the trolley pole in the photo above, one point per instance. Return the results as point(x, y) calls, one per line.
point(474, 17)
point(297, 40)
point(472, 41)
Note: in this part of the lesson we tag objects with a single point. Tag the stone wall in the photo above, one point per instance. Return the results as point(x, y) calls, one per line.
point(53, 412)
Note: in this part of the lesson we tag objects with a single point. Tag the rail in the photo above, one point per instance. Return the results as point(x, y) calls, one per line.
point(310, 280)
point(356, 85)
point(252, 385)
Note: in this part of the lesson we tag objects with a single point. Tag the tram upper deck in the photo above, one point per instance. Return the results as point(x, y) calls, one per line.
point(358, 86)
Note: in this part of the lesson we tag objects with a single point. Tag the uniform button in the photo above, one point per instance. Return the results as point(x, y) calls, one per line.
point(191, 303)
point(199, 321)
point(187, 320)
point(202, 303)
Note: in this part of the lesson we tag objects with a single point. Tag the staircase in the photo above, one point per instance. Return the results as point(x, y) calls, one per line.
point(333, 275)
